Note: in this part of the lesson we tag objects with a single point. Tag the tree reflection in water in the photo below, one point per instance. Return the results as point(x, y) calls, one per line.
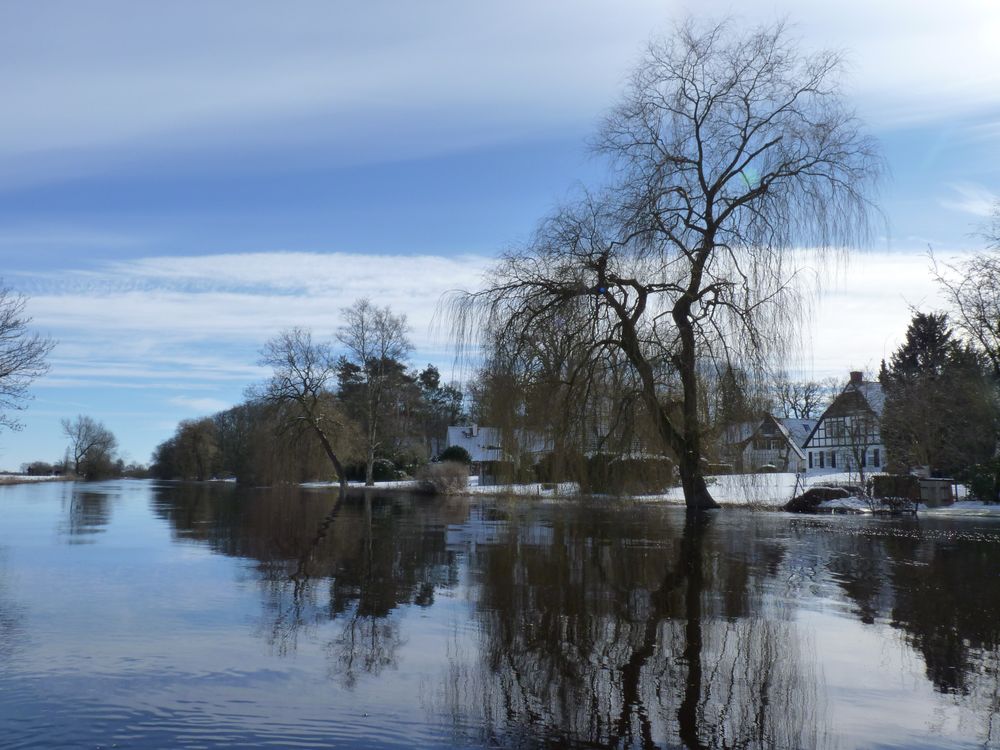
point(626, 639)
point(355, 565)
point(940, 586)
point(616, 624)
point(88, 511)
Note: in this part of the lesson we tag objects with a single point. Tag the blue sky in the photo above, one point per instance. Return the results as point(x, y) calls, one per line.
point(182, 180)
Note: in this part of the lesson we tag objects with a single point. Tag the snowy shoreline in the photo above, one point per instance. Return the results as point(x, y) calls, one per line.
point(753, 491)
point(30, 479)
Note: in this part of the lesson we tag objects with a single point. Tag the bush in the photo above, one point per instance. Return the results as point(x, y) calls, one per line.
point(444, 478)
point(564, 467)
point(455, 454)
point(630, 476)
point(810, 500)
point(983, 481)
point(383, 470)
point(896, 487)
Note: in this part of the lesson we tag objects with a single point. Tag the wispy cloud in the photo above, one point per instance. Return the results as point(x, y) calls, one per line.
point(971, 198)
point(106, 86)
point(200, 405)
point(202, 320)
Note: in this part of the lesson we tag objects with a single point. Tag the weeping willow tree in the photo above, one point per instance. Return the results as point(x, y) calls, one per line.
point(731, 152)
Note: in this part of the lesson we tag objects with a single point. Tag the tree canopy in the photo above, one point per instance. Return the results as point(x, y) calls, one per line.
point(730, 150)
point(22, 356)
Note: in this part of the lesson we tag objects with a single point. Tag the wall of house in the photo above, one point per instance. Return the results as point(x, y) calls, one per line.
point(779, 455)
point(482, 443)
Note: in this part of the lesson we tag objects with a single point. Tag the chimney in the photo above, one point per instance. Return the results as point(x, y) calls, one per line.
point(856, 377)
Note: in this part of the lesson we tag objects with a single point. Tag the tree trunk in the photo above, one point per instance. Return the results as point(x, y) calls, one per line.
point(696, 494)
point(328, 449)
point(370, 467)
point(686, 446)
point(691, 552)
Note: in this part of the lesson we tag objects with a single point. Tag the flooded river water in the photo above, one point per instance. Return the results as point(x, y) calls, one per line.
point(137, 614)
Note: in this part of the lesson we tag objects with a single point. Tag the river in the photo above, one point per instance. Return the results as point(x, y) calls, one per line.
point(142, 614)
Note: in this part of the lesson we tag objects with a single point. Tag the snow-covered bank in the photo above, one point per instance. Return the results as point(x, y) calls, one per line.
point(963, 508)
point(744, 490)
point(30, 479)
point(759, 491)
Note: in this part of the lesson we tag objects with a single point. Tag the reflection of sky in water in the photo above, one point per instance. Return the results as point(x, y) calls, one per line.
point(427, 623)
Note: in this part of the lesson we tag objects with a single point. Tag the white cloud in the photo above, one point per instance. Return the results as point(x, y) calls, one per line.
point(862, 314)
point(200, 405)
point(201, 321)
point(380, 80)
point(972, 199)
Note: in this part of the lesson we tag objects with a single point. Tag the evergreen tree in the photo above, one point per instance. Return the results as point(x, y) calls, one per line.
point(940, 411)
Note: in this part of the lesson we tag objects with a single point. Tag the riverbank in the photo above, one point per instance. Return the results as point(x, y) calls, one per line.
point(749, 491)
point(30, 479)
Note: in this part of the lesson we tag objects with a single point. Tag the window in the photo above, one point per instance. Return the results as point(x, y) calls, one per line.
point(821, 456)
point(833, 459)
point(876, 458)
point(810, 459)
point(864, 458)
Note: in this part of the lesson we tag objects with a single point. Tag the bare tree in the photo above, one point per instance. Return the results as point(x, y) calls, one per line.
point(972, 289)
point(803, 399)
point(92, 446)
point(731, 149)
point(22, 356)
point(303, 372)
point(377, 342)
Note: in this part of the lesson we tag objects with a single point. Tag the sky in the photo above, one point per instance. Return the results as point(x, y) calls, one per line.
point(180, 181)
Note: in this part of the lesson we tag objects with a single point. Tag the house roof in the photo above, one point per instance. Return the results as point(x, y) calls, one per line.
point(798, 429)
point(869, 393)
point(794, 431)
point(874, 395)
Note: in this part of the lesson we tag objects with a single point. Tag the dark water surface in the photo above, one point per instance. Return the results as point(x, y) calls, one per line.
point(144, 615)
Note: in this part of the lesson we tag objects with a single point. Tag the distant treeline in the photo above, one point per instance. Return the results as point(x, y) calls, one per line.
point(262, 443)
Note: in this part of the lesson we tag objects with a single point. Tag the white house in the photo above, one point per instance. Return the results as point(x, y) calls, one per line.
point(482, 443)
point(777, 442)
point(847, 437)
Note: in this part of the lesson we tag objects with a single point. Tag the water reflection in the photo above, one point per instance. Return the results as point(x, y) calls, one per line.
point(87, 511)
point(373, 555)
point(11, 616)
point(612, 625)
point(592, 638)
point(939, 586)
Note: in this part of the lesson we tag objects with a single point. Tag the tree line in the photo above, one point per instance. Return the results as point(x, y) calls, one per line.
point(360, 414)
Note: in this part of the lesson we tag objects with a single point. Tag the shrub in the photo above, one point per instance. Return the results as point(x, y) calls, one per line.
point(383, 470)
point(455, 454)
point(630, 476)
point(983, 481)
point(810, 500)
point(896, 487)
point(444, 478)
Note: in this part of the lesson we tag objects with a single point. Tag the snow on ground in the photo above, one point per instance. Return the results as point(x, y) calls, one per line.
point(396, 484)
point(762, 491)
point(748, 490)
point(853, 504)
point(24, 478)
point(963, 508)
point(535, 489)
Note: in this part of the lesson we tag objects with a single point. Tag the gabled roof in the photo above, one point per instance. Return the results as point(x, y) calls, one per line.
point(798, 429)
point(794, 431)
point(855, 397)
point(874, 395)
